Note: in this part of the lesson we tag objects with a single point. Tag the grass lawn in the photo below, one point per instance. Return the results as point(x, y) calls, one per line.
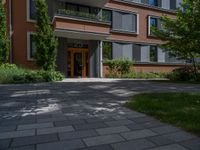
point(179, 109)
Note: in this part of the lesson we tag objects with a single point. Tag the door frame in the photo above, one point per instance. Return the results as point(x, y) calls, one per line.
point(84, 51)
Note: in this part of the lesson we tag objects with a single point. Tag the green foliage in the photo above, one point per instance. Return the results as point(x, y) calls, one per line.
point(46, 43)
point(12, 74)
point(139, 75)
point(184, 74)
point(107, 50)
point(182, 35)
point(4, 41)
point(179, 109)
point(119, 66)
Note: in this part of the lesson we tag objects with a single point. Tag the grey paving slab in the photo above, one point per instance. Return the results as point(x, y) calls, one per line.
point(138, 134)
point(7, 128)
point(133, 145)
point(35, 126)
point(101, 140)
point(63, 145)
point(90, 126)
point(193, 144)
point(112, 130)
point(165, 129)
point(135, 126)
point(170, 147)
point(119, 122)
point(54, 130)
point(4, 143)
point(31, 147)
point(15, 134)
point(69, 122)
point(160, 140)
point(104, 147)
point(34, 140)
point(179, 136)
point(77, 134)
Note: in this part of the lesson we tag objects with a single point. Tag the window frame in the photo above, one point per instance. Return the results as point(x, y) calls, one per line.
point(28, 13)
point(29, 46)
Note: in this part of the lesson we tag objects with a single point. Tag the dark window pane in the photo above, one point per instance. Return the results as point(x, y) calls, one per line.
point(153, 22)
point(32, 47)
point(107, 51)
point(153, 54)
point(153, 2)
point(32, 9)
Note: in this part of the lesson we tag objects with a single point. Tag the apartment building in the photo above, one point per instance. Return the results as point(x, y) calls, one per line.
point(91, 31)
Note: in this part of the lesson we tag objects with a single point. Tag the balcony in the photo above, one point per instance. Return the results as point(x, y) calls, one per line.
point(94, 3)
point(103, 17)
point(82, 25)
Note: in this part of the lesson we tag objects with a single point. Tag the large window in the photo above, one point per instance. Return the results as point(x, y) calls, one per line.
point(153, 2)
point(124, 22)
point(153, 54)
point(32, 10)
point(107, 50)
point(31, 47)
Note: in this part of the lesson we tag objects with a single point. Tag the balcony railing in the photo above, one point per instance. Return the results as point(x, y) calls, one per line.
point(105, 17)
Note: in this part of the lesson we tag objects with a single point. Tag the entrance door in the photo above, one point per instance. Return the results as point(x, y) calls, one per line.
point(78, 63)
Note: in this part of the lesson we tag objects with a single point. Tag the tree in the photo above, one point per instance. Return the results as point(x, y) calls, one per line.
point(4, 40)
point(46, 43)
point(181, 35)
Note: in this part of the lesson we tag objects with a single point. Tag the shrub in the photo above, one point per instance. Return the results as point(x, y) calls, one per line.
point(119, 66)
point(184, 74)
point(13, 74)
point(140, 75)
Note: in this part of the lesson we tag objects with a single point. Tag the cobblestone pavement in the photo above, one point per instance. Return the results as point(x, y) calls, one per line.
point(86, 115)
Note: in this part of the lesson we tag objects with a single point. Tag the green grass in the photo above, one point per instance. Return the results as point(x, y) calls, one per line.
point(179, 109)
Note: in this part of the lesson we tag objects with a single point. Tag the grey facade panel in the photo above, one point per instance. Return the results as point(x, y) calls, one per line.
point(117, 20)
point(127, 51)
point(127, 22)
point(178, 3)
point(145, 53)
point(161, 55)
point(117, 50)
point(166, 4)
point(93, 47)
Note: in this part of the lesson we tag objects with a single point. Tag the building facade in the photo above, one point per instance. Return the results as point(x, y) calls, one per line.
point(91, 31)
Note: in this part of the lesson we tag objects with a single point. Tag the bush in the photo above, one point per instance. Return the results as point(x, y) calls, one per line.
point(119, 66)
point(140, 75)
point(184, 74)
point(12, 74)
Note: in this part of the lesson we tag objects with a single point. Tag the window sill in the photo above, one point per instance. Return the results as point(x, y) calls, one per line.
point(124, 32)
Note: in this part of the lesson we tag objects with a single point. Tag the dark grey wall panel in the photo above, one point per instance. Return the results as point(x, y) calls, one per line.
point(117, 50)
point(127, 51)
point(117, 20)
point(136, 53)
point(93, 46)
point(61, 60)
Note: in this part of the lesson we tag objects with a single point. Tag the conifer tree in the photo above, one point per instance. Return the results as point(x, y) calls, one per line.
point(46, 43)
point(4, 40)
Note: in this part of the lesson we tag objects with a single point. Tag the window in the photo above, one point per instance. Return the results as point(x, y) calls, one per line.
point(153, 2)
point(32, 10)
point(31, 46)
point(107, 50)
point(154, 22)
point(124, 22)
point(153, 53)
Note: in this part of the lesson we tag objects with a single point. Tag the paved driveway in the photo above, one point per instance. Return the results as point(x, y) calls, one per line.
point(86, 115)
